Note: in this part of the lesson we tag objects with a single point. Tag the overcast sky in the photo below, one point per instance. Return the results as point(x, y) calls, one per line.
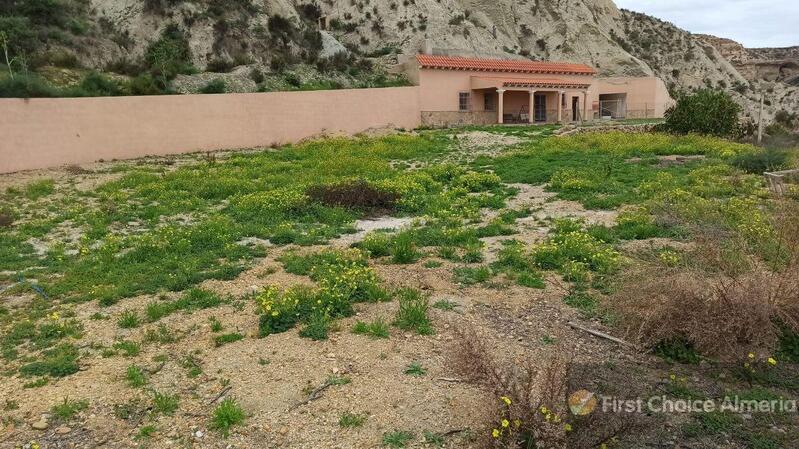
point(754, 23)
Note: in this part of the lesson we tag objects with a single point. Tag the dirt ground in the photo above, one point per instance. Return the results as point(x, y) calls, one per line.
point(272, 377)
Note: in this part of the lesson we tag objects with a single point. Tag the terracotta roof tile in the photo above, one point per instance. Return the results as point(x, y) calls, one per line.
point(501, 65)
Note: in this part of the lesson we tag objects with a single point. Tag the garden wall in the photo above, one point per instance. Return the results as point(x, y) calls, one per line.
point(48, 132)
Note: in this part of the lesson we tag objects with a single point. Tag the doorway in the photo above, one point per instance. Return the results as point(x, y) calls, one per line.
point(540, 108)
point(575, 108)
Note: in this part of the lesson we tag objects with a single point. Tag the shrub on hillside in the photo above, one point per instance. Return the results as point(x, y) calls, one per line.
point(144, 85)
point(26, 86)
point(216, 86)
point(708, 111)
point(97, 85)
point(170, 55)
point(789, 120)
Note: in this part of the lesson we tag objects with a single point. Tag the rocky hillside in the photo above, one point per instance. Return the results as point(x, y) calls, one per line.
point(348, 38)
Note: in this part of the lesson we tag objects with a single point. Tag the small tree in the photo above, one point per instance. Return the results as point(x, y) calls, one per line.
point(707, 111)
point(4, 44)
point(169, 55)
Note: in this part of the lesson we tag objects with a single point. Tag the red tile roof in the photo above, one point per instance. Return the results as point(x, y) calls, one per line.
point(501, 65)
point(540, 82)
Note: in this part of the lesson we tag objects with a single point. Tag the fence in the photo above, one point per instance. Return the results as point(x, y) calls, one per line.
point(620, 109)
point(47, 132)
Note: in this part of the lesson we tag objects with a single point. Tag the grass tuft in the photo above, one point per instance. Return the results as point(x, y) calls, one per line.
point(397, 439)
point(349, 420)
point(228, 414)
point(135, 377)
point(376, 329)
point(68, 409)
point(413, 312)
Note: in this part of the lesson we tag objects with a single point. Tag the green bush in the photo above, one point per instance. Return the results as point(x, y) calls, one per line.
point(26, 86)
point(97, 85)
point(758, 162)
point(144, 84)
point(20, 33)
point(216, 86)
point(708, 111)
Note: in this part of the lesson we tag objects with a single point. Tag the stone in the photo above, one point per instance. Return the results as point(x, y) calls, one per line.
point(41, 424)
point(62, 430)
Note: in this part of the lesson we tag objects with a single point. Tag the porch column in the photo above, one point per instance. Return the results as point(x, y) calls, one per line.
point(560, 105)
point(531, 115)
point(585, 106)
point(500, 105)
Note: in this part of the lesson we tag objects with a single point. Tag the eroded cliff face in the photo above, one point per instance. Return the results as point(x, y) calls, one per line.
point(596, 32)
point(759, 64)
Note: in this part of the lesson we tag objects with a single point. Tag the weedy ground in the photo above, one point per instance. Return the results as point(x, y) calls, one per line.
point(321, 294)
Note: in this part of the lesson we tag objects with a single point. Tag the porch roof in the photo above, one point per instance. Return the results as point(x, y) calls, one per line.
point(485, 82)
point(502, 65)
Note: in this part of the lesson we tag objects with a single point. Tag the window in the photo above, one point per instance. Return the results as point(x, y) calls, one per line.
point(464, 101)
point(488, 102)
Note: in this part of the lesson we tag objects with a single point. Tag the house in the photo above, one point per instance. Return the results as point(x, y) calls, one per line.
point(470, 90)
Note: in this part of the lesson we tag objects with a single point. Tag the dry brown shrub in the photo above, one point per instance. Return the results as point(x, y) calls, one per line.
point(724, 300)
point(357, 194)
point(538, 392)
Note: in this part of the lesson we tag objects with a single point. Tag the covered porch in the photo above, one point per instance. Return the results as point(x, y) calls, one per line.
point(524, 100)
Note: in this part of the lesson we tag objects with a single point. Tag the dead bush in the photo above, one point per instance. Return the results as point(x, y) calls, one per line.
point(719, 316)
point(357, 194)
point(530, 398)
point(724, 300)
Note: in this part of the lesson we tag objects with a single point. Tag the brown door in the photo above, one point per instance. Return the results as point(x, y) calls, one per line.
point(575, 108)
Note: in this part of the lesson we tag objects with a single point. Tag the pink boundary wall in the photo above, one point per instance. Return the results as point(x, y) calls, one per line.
point(46, 132)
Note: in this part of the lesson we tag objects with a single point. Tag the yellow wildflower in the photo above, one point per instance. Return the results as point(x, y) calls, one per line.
point(495, 433)
point(751, 355)
point(506, 400)
point(567, 427)
point(772, 361)
point(505, 423)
